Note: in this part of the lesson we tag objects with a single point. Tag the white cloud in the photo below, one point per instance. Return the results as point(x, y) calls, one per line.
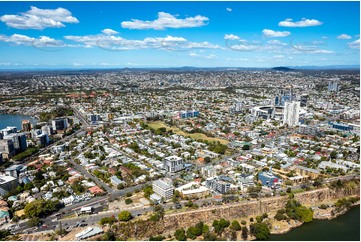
point(324, 37)
point(268, 33)
point(231, 37)
point(279, 57)
point(344, 36)
point(245, 47)
point(275, 42)
point(171, 38)
point(166, 20)
point(193, 54)
point(303, 23)
point(229, 9)
point(322, 51)
point(109, 32)
point(43, 41)
point(355, 44)
point(237, 59)
point(111, 42)
point(37, 18)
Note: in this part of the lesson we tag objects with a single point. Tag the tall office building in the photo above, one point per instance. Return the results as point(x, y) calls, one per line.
point(7, 183)
point(333, 86)
point(47, 129)
point(284, 96)
point(8, 130)
point(59, 124)
point(26, 125)
point(94, 118)
point(277, 101)
point(19, 141)
point(7, 148)
point(291, 113)
point(304, 99)
point(163, 188)
point(173, 163)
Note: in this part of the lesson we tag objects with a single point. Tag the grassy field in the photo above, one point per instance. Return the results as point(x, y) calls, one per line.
point(195, 136)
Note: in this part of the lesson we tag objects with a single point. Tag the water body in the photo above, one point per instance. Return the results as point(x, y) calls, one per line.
point(14, 120)
point(342, 228)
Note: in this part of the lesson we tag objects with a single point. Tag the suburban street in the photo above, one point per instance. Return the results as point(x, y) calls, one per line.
point(90, 176)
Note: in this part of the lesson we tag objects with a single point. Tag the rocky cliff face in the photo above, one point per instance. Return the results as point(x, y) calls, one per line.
point(171, 222)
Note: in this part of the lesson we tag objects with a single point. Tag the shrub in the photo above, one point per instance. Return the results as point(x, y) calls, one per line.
point(124, 216)
point(220, 225)
point(180, 235)
point(323, 206)
point(235, 225)
point(260, 231)
point(157, 238)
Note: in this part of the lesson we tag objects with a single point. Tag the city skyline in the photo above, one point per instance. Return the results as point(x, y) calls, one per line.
point(57, 35)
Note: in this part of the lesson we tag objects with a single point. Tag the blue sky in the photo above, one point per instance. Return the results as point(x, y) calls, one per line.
point(175, 34)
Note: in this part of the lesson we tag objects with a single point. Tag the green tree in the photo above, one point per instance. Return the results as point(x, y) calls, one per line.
point(34, 221)
point(235, 225)
point(107, 220)
point(180, 235)
point(333, 155)
point(157, 238)
point(128, 201)
point(109, 236)
point(244, 233)
point(78, 188)
point(147, 190)
point(323, 206)
point(260, 231)
point(279, 216)
point(259, 219)
point(205, 229)
point(318, 181)
point(306, 214)
point(4, 234)
point(220, 225)
point(125, 216)
point(194, 232)
point(40, 208)
point(207, 159)
point(210, 236)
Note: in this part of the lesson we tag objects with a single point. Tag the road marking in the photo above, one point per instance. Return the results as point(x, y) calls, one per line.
point(89, 204)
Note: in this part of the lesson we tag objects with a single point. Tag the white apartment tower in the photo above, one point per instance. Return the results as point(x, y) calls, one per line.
point(291, 113)
point(163, 188)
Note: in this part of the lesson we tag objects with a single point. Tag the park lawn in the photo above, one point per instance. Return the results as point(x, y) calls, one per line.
point(195, 136)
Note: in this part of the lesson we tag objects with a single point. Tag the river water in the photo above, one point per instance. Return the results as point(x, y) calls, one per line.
point(14, 120)
point(343, 228)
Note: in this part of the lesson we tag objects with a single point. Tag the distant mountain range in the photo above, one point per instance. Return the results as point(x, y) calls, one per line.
point(332, 67)
point(192, 68)
point(281, 68)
